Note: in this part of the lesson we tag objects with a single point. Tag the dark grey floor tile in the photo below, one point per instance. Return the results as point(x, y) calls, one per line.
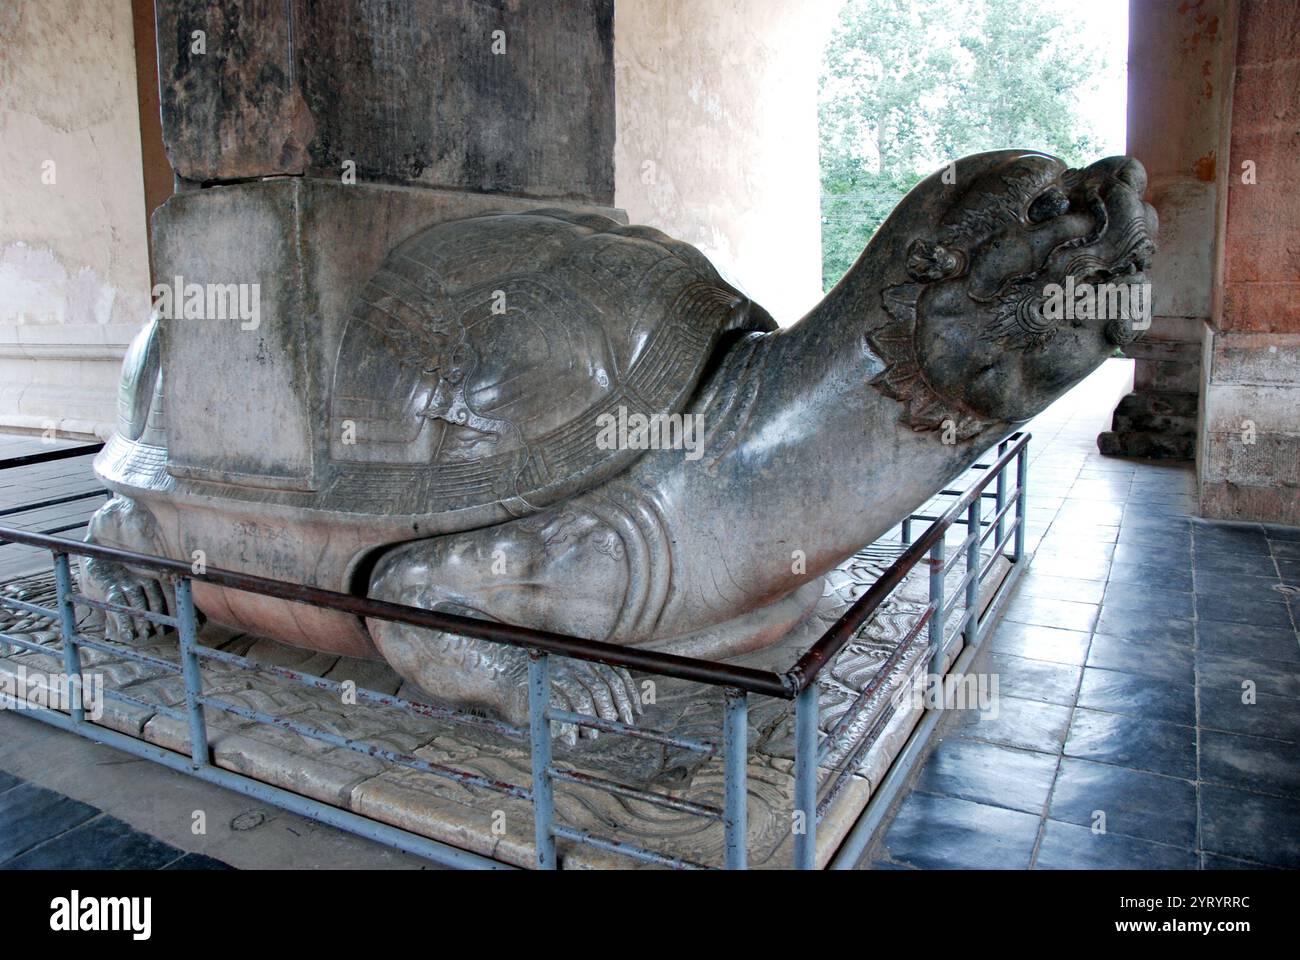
point(1158, 541)
point(1252, 547)
point(1217, 668)
point(1065, 535)
point(1288, 569)
point(1152, 575)
point(1041, 643)
point(1233, 564)
point(1034, 679)
point(946, 833)
point(1249, 712)
point(1137, 695)
point(1162, 659)
point(1077, 512)
point(1285, 549)
point(888, 865)
point(1283, 532)
point(1061, 588)
point(1148, 601)
point(1135, 520)
point(1068, 846)
point(1269, 611)
point(1016, 722)
point(1251, 763)
point(1212, 861)
point(104, 843)
point(1166, 507)
point(197, 861)
point(1248, 640)
point(987, 773)
point(1061, 565)
point(1242, 539)
point(1065, 614)
point(8, 781)
point(1229, 585)
point(1136, 554)
point(1133, 742)
point(1135, 804)
point(1148, 627)
point(1251, 827)
point(30, 815)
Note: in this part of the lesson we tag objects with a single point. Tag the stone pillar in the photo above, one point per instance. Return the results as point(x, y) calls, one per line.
point(309, 139)
point(1249, 457)
point(1178, 67)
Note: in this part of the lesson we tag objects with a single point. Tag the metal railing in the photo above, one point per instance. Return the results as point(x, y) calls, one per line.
point(738, 683)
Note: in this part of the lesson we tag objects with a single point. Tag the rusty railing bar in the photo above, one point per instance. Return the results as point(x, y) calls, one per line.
point(651, 661)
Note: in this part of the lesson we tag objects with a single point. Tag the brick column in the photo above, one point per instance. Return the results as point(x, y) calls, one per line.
point(1249, 456)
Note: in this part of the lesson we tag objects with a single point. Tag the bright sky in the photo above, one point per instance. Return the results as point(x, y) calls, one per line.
point(1104, 25)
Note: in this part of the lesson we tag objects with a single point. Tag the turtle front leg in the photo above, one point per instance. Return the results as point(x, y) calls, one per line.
point(455, 574)
point(124, 524)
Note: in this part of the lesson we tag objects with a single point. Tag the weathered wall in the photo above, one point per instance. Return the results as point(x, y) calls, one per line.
point(74, 276)
point(717, 135)
point(1249, 460)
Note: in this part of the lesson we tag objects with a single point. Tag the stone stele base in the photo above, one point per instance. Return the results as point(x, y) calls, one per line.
point(501, 827)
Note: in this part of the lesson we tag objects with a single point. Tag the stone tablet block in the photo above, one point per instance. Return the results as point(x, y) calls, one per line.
point(485, 96)
point(292, 245)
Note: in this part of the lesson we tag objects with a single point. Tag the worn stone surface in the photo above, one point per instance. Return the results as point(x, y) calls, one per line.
point(428, 448)
point(408, 92)
point(1154, 426)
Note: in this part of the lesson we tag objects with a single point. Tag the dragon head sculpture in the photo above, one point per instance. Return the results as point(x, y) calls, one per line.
point(1034, 276)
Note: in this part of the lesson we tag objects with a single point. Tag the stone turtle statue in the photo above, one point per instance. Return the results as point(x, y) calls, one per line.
point(483, 363)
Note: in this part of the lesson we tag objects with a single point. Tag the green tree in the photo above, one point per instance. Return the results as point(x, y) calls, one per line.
point(908, 85)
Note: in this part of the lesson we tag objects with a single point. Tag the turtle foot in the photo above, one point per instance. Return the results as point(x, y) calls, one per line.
point(114, 583)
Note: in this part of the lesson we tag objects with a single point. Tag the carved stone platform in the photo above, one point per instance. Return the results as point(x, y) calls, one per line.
point(498, 826)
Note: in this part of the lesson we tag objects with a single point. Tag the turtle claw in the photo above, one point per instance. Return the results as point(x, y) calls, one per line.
point(116, 584)
point(594, 689)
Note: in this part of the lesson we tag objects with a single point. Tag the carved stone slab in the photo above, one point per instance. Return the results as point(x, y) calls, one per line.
point(420, 93)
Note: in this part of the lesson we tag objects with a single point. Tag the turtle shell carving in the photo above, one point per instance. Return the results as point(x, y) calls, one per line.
point(477, 359)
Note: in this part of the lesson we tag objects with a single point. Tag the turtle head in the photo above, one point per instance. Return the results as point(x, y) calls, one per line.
point(1029, 276)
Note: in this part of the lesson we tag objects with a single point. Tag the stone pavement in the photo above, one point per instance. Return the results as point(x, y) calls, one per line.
point(70, 802)
point(44, 830)
point(1149, 672)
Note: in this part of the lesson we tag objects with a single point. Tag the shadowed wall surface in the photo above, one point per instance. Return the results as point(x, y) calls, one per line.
point(74, 270)
point(717, 135)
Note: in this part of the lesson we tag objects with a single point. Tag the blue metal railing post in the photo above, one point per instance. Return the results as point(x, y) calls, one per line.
point(539, 735)
point(1001, 500)
point(938, 554)
point(1022, 475)
point(973, 565)
point(68, 627)
point(189, 637)
point(735, 746)
point(805, 777)
point(907, 530)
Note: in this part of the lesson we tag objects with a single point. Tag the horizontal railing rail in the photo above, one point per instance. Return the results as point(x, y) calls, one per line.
point(798, 683)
